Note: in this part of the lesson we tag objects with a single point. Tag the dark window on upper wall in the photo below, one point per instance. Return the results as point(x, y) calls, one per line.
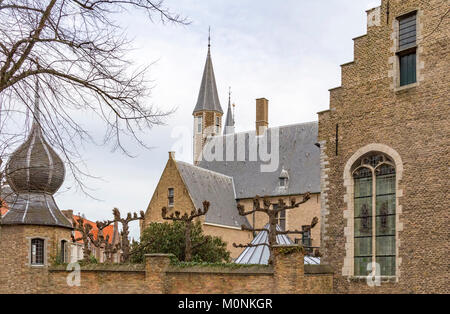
point(171, 196)
point(37, 252)
point(306, 236)
point(407, 48)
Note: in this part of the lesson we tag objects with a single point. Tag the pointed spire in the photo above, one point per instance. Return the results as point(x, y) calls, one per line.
point(208, 98)
point(229, 122)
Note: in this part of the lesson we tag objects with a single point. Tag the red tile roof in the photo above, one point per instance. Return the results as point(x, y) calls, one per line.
point(106, 231)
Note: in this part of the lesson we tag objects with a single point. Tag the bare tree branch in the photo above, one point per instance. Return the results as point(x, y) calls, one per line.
point(78, 53)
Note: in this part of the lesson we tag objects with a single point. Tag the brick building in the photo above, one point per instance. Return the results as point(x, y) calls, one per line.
point(385, 154)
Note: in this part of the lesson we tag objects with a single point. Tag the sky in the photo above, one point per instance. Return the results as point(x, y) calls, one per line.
point(287, 51)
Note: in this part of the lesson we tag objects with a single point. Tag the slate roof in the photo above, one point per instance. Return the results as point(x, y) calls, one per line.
point(298, 155)
point(208, 98)
point(216, 188)
point(35, 209)
point(261, 254)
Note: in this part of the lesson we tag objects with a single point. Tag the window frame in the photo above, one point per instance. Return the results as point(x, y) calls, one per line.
point(306, 230)
point(199, 124)
point(33, 256)
point(171, 197)
point(410, 50)
point(373, 216)
point(217, 125)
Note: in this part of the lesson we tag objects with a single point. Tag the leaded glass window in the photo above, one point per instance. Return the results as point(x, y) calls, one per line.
point(37, 252)
point(374, 215)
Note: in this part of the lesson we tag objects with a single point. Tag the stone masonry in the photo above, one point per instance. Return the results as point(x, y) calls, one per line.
point(370, 112)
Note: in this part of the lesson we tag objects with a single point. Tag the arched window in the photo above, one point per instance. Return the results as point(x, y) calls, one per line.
point(374, 214)
point(37, 252)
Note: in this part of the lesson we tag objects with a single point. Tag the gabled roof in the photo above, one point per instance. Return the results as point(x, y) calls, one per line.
point(216, 188)
point(298, 155)
point(260, 254)
point(208, 98)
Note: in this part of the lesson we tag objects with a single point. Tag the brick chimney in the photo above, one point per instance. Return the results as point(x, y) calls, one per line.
point(262, 115)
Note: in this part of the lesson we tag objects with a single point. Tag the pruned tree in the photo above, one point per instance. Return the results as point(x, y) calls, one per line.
point(272, 210)
point(124, 234)
point(188, 221)
point(105, 244)
point(85, 230)
point(77, 52)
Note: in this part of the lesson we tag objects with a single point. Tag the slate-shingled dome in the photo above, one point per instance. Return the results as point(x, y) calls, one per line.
point(35, 167)
point(35, 172)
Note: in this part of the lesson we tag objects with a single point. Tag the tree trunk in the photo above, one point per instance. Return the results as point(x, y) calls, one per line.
point(188, 249)
point(272, 235)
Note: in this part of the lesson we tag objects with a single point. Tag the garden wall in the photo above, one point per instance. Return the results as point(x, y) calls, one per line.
point(287, 275)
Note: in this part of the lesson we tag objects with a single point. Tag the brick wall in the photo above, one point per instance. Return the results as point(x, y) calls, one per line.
point(411, 122)
point(16, 273)
point(158, 276)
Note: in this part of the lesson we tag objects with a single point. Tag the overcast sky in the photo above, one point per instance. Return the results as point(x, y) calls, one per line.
point(286, 51)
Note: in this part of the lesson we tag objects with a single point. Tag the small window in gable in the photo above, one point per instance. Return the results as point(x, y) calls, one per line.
point(171, 197)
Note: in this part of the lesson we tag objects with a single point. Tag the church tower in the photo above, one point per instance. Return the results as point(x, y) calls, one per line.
point(207, 113)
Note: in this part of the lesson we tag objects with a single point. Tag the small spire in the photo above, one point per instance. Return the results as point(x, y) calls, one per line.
point(229, 122)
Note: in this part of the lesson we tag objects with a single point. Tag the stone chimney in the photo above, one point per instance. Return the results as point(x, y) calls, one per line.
point(262, 115)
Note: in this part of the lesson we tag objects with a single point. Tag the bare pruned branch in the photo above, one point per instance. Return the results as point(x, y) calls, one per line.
point(78, 54)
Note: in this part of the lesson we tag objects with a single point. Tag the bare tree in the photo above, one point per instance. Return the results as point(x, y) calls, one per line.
point(188, 221)
point(86, 235)
point(124, 234)
point(77, 52)
point(105, 244)
point(272, 210)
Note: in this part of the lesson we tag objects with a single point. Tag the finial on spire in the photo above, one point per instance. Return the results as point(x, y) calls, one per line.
point(229, 96)
point(209, 37)
point(36, 102)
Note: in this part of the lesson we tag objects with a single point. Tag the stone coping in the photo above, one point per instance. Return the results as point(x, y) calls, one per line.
point(243, 271)
point(103, 267)
point(318, 270)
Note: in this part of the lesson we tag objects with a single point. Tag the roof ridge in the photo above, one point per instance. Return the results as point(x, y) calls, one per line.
point(268, 129)
point(204, 170)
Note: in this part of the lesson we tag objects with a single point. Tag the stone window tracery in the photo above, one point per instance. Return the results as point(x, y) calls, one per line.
point(374, 178)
